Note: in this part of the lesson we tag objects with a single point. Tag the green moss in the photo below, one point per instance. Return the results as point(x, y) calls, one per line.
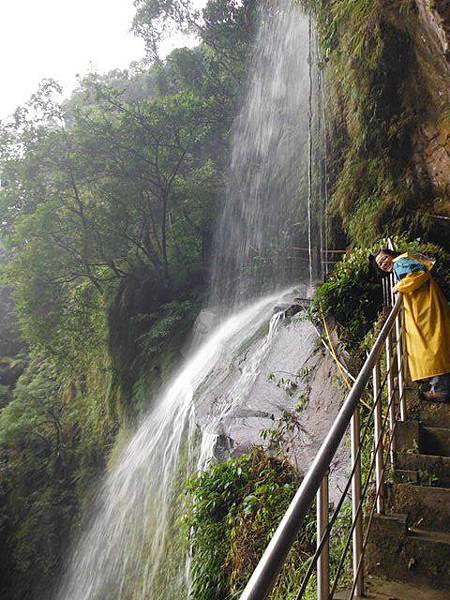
point(376, 100)
point(353, 293)
point(54, 438)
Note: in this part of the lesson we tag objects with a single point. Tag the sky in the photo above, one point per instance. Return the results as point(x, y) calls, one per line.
point(62, 38)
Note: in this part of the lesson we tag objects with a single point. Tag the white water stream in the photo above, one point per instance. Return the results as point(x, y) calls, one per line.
point(265, 218)
point(127, 548)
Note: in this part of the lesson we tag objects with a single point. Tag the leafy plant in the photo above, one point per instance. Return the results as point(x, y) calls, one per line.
point(234, 509)
point(165, 324)
point(352, 295)
point(427, 478)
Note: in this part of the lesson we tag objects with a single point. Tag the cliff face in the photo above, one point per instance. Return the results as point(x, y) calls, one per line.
point(388, 76)
point(292, 402)
point(430, 33)
point(434, 20)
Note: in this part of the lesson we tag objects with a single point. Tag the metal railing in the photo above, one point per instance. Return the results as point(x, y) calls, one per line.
point(382, 376)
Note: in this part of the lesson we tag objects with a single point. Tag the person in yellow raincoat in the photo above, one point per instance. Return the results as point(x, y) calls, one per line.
point(427, 320)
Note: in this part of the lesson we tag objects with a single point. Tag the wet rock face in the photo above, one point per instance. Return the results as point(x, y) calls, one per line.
point(295, 377)
point(203, 324)
point(435, 18)
point(432, 155)
point(430, 36)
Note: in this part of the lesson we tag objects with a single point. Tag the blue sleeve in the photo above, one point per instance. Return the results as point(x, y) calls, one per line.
point(406, 266)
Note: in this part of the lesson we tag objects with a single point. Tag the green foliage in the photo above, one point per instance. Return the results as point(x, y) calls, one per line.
point(225, 26)
point(117, 181)
point(281, 438)
point(375, 92)
point(235, 509)
point(155, 20)
point(427, 478)
point(106, 210)
point(10, 342)
point(95, 194)
point(353, 293)
point(166, 324)
point(4, 395)
point(53, 441)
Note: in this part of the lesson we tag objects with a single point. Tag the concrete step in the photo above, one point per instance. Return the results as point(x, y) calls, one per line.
point(382, 589)
point(416, 556)
point(426, 507)
point(434, 440)
point(434, 413)
point(411, 437)
point(428, 413)
point(424, 469)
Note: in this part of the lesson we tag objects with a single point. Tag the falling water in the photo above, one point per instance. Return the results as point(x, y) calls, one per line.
point(265, 212)
point(127, 549)
point(131, 548)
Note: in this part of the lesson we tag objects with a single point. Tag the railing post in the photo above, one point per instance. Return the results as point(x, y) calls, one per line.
point(356, 499)
point(390, 393)
point(401, 382)
point(391, 288)
point(323, 565)
point(385, 292)
point(378, 441)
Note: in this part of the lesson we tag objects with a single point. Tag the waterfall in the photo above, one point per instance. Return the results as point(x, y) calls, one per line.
point(131, 548)
point(317, 196)
point(240, 388)
point(129, 543)
point(324, 246)
point(265, 214)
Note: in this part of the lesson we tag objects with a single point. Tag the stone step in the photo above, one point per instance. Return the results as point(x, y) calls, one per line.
point(411, 437)
point(428, 413)
point(413, 543)
point(407, 437)
point(381, 589)
point(418, 533)
point(416, 556)
point(424, 469)
point(434, 413)
point(434, 440)
point(426, 507)
point(406, 476)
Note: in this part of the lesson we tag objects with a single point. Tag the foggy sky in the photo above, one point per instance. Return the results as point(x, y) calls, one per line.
point(62, 38)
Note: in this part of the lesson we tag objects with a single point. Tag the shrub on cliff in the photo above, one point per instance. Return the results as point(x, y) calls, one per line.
point(353, 293)
point(236, 507)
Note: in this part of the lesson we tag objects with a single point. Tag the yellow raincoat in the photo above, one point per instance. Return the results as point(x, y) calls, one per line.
point(427, 323)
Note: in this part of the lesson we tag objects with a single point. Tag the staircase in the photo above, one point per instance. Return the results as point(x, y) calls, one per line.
point(411, 542)
point(398, 544)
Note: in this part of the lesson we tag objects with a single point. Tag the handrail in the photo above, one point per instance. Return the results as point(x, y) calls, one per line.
point(264, 576)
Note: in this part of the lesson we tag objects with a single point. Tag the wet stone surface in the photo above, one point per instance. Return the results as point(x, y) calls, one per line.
point(292, 374)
